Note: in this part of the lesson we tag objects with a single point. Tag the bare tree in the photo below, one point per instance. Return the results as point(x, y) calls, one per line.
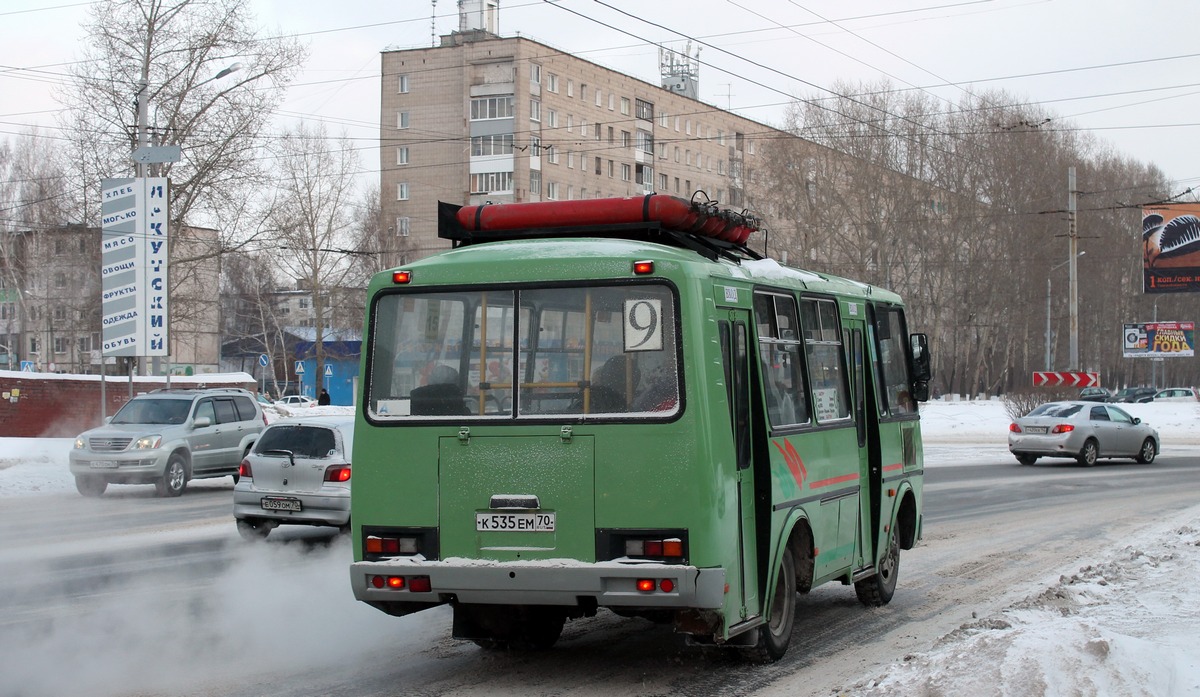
point(313, 222)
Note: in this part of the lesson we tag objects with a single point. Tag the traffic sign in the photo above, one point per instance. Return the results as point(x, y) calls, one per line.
point(299, 367)
point(262, 360)
point(26, 366)
point(328, 370)
point(1066, 379)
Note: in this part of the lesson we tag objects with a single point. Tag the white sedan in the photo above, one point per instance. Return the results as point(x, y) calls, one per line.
point(296, 400)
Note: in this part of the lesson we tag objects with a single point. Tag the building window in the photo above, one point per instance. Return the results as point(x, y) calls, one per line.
point(597, 129)
point(535, 110)
point(570, 123)
point(402, 226)
point(643, 110)
point(687, 186)
point(599, 166)
point(60, 280)
point(599, 98)
point(491, 182)
point(85, 344)
point(612, 101)
point(664, 120)
point(644, 175)
point(552, 118)
point(689, 158)
point(611, 132)
point(625, 106)
point(402, 191)
point(677, 120)
point(662, 182)
point(625, 172)
point(662, 151)
point(535, 183)
point(33, 344)
point(553, 86)
point(611, 169)
point(401, 119)
point(676, 184)
point(303, 303)
point(535, 73)
point(677, 153)
point(60, 313)
point(570, 192)
point(626, 139)
point(60, 246)
point(402, 156)
point(570, 88)
point(720, 166)
point(570, 159)
point(552, 191)
point(492, 145)
point(402, 84)
point(491, 108)
point(60, 344)
point(645, 142)
point(552, 154)
point(687, 127)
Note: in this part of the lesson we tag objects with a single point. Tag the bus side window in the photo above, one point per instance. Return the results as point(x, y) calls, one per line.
point(780, 362)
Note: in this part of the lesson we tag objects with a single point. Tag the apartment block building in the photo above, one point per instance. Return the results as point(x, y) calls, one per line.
point(482, 118)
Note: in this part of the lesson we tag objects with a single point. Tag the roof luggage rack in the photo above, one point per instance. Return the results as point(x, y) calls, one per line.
point(701, 227)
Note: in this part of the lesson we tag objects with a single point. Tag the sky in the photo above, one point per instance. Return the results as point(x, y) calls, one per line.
point(1121, 625)
point(1123, 71)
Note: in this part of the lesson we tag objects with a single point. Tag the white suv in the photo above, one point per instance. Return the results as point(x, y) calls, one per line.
point(167, 437)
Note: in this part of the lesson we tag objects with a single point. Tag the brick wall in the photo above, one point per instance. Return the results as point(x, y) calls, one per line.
point(50, 405)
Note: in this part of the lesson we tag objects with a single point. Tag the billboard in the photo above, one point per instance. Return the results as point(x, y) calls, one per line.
point(1171, 248)
point(1159, 340)
point(133, 267)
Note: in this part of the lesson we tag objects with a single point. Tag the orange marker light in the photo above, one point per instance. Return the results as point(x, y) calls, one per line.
point(646, 585)
point(401, 276)
point(395, 581)
point(641, 268)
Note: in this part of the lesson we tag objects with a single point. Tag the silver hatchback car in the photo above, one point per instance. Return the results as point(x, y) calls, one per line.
point(1085, 431)
point(297, 474)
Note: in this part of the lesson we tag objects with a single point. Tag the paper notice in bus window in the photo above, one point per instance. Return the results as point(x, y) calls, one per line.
point(643, 325)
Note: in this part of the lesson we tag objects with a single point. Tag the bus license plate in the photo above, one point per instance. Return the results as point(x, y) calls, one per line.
point(279, 504)
point(521, 522)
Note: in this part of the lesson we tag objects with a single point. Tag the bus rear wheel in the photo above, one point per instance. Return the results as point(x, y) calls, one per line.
point(879, 588)
point(775, 636)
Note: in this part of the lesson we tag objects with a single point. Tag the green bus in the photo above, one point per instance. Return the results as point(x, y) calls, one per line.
point(617, 403)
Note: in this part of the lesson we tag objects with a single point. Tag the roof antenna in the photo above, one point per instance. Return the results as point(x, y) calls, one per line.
point(433, 25)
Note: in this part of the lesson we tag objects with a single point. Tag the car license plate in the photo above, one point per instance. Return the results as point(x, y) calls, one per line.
point(280, 504)
point(1035, 429)
point(103, 464)
point(520, 522)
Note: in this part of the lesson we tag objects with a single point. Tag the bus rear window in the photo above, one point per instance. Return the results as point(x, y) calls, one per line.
point(604, 351)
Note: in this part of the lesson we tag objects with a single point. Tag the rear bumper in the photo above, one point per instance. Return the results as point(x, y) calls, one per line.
point(324, 508)
point(548, 582)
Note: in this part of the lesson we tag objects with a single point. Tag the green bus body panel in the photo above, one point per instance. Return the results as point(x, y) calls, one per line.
point(559, 472)
point(680, 474)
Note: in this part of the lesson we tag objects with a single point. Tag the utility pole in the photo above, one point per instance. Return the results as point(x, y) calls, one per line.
point(1073, 237)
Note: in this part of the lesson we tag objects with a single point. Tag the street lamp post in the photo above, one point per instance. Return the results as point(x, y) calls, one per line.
point(1054, 268)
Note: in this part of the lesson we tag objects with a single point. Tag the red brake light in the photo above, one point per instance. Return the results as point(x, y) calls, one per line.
point(244, 470)
point(1062, 428)
point(666, 585)
point(337, 473)
point(1014, 428)
point(419, 584)
point(401, 276)
point(646, 585)
point(641, 268)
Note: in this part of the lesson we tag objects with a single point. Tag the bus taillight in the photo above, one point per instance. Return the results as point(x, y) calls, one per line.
point(649, 585)
point(642, 268)
point(666, 548)
point(401, 277)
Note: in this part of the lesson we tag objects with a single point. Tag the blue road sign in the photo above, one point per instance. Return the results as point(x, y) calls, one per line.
point(328, 370)
point(262, 360)
point(299, 367)
point(27, 366)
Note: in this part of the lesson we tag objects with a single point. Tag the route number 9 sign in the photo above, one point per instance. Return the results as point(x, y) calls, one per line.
point(643, 325)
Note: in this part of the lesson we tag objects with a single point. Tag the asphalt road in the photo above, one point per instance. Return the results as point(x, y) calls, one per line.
point(132, 594)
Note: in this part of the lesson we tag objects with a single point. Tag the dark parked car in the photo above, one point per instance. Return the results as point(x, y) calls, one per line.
point(1131, 395)
point(1095, 394)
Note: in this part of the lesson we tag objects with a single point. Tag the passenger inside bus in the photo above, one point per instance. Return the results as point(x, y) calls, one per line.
point(443, 396)
point(611, 385)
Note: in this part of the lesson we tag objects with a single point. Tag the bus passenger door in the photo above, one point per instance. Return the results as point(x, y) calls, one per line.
point(736, 356)
point(867, 424)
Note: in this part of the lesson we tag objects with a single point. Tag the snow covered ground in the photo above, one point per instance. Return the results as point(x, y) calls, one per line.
point(1122, 625)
